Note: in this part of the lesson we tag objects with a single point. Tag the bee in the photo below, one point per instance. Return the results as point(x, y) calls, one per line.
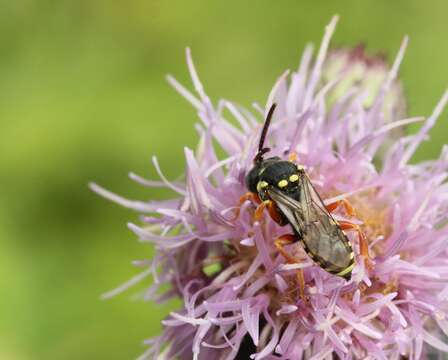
point(285, 190)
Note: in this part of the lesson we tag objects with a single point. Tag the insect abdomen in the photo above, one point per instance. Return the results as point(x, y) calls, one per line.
point(336, 257)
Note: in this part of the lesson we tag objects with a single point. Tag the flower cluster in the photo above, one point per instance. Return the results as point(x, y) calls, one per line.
point(240, 296)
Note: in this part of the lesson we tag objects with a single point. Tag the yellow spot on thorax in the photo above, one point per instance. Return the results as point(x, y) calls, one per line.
point(282, 183)
point(294, 178)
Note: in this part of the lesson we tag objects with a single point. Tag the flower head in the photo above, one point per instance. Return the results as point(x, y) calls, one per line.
point(241, 297)
point(353, 68)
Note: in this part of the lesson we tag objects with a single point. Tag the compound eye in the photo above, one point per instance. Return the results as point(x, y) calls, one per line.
point(252, 178)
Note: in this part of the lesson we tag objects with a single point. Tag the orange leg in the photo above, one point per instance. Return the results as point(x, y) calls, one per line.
point(282, 241)
point(279, 244)
point(247, 196)
point(272, 209)
point(347, 206)
point(363, 244)
point(250, 196)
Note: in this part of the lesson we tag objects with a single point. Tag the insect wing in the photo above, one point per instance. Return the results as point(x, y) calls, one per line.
point(314, 209)
point(307, 213)
point(291, 209)
point(321, 236)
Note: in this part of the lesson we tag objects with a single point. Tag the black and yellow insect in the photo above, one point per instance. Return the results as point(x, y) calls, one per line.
point(284, 188)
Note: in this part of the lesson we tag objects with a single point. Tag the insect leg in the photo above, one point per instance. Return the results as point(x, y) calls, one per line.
point(347, 206)
point(247, 196)
point(285, 240)
point(279, 244)
point(272, 209)
point(363, 244)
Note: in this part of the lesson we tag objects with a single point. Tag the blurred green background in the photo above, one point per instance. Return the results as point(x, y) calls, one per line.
point(83, 97)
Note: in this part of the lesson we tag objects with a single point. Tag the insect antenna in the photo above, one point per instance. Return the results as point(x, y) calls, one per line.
point(261, 149)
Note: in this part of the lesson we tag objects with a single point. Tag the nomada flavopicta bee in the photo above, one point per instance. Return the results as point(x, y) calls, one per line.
point(285, 190)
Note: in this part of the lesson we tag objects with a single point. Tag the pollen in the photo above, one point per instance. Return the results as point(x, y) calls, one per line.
point(294, 178)
point(282, 183)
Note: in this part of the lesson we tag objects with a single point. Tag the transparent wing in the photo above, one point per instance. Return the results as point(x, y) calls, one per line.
point(308, 211)
point(321, 236)
point(291, 208)
point(314, 208)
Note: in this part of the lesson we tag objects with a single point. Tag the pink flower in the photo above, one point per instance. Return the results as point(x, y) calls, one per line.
point(240, 297)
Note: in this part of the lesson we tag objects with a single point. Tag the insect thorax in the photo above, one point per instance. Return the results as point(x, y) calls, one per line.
point(274, 172)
